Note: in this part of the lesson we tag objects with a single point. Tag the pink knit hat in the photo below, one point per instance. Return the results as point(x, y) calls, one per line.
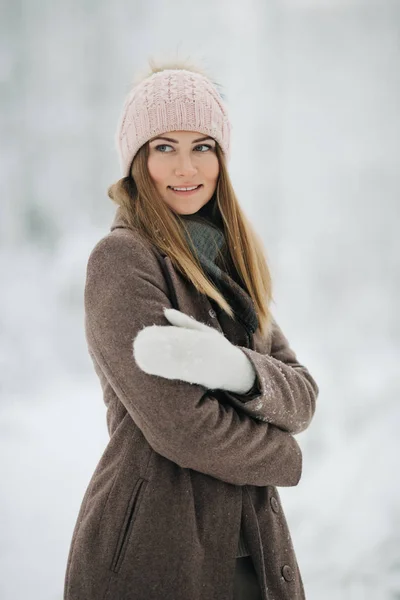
point(171, 100)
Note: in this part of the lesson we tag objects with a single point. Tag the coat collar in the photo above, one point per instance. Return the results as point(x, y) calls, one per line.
point(119, 222)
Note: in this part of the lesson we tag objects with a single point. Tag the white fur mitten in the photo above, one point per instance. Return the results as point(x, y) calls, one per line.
point(194, 352)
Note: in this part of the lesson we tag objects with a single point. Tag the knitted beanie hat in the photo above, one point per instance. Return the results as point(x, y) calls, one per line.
point(171, 100)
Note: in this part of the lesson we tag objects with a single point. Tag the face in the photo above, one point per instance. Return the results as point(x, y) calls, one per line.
point(184, 159)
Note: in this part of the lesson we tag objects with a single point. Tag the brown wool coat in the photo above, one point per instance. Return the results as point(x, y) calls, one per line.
point(161, 516)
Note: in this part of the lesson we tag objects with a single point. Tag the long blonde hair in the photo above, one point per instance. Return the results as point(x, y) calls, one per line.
point(144, 209)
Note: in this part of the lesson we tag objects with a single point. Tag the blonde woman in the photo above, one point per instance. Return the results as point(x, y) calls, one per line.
point(203, 392)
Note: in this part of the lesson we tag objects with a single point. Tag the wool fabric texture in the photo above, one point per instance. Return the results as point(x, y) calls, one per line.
point(171, 100)
point(161, 513)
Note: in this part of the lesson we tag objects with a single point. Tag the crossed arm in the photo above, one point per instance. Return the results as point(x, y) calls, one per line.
point(284, 392)
point(124, 292)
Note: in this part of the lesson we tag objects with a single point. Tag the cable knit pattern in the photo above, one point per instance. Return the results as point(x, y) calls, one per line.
point(171, 100)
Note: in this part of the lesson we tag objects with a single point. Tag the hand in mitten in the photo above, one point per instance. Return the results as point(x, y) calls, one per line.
point(194, 352)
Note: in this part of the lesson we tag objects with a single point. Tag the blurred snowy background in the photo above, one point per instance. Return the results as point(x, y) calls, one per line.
point(313, 88)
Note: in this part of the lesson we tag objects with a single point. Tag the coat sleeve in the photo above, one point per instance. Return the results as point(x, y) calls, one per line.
point(124, 292)
point(284, 392)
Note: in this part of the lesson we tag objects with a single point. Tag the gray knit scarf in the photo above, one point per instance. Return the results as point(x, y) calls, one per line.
point(205, 234)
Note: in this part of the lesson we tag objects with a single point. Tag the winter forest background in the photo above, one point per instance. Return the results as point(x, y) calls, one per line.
point(313, 89)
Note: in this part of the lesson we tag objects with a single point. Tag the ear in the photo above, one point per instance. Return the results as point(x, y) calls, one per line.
point(178, 318)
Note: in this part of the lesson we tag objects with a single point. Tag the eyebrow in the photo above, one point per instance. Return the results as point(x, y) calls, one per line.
point(168, 139)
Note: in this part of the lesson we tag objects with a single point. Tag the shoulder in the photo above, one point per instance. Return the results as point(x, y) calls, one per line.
point(121, 241)
point(124, 251)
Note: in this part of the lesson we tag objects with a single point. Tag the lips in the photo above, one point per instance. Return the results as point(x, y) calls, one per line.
point(189, 193)
point(187, 186)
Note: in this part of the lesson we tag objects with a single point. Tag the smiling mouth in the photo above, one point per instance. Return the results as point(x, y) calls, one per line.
point(185, 193)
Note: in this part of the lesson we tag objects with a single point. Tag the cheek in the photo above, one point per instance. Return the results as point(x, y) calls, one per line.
point(213, 168)
point(156, 169)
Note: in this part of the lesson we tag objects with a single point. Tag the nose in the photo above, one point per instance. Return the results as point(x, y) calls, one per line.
point(185, 167)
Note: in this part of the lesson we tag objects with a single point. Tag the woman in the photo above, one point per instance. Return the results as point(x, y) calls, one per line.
point(203, 392)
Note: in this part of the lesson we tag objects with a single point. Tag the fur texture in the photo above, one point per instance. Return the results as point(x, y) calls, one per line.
point(194, 352)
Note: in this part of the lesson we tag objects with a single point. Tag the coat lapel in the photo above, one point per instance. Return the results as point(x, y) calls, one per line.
point(183, 295)
point(189, 300)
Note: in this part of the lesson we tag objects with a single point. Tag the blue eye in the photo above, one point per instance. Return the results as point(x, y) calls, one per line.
point(205, 146)
point(168, 146)
point(162, 146)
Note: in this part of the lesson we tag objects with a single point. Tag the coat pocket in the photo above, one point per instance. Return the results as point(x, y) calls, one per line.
point(129, 519)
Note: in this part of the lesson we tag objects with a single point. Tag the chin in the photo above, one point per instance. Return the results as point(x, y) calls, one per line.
point(187, 210)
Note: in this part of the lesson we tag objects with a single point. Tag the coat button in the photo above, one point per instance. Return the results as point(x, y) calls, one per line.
point(212, 313)
point(274, 504)
point(287, 573)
